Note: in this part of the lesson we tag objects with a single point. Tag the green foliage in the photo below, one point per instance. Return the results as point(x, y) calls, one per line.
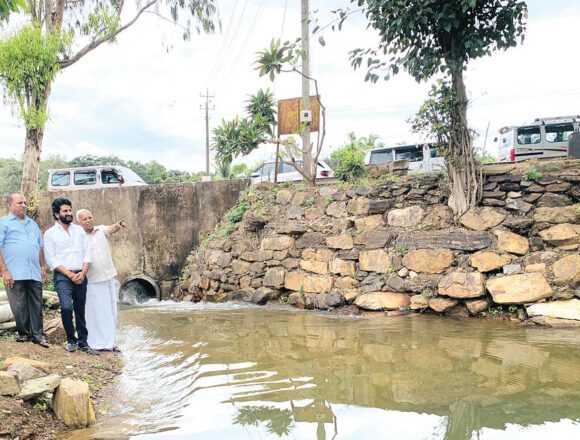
point(10, 176)
point(271, 60)
point(103, 20)
point(425, 37)
point(348, 162)
point(436, 116)
point(8, 7)
point(262, 109)
point(310, 202)
point(240, 170)
point(237, 212)
point(400, 249)
point(532, 174)
point(513, 309)
point(224, 168)
point(42, 406)
point(235, 137)
point(28, 66)
point(278, 421)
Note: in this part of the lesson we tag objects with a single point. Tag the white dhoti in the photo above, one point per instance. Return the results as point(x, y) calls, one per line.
point(101, 314)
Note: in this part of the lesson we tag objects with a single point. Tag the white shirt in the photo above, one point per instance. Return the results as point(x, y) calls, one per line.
point(68, 249)
point(102, 267)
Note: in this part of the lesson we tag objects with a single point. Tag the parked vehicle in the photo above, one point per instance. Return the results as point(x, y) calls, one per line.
point(286, 173)
point(422, 158)
point(545, 137)
point(68, 179)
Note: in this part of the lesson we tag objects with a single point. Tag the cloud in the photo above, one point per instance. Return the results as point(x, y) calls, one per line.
point(140, 101)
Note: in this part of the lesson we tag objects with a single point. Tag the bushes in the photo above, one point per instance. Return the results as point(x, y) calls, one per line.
point(348, 162)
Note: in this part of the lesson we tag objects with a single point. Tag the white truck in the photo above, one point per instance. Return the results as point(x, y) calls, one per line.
point(543, 138)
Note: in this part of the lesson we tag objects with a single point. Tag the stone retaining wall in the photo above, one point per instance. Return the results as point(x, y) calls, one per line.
point(394, 246)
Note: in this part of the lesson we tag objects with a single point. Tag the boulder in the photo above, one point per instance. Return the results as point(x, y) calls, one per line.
point(328, 301)
point(300, 281)
point(560, 214)
point(518, 205)
point(429, 260)
point(359, 206)
point(319, 267)
point(462, 285)
point(9, 384)
point(284, 197)
point(262, 295)
point(406, 217)
point(567, 271)
point(277, 243)
point(291, 227)
point(566, 236)
point(510, 242)
point(25, 372)
point(313, 240)
point(382, 301)
point(256, 256)
point(336, 209)
point(459, 239)
point(43, 366)
point(538, 267)
point(373, 239)
point(35, 387)
point(342, 267)
point(519, 289)
point(314, 213)
point(345, 283)
point(72, 403)
point(481, 219)
point(274, 277)
point(375, 260)
point(556, 309)
point(240, 267)
point(442, 304)
point(296, 299)
point(343, 241)
point(439, 217)
point(295, 212)
point(485, 261)
point(476, 306)
point(555, 322)
point(550, 200)
point(368, 223)
point(419, 302)
point(380, 206)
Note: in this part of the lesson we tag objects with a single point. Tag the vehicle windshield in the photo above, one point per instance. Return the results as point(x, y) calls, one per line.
point(130, 176)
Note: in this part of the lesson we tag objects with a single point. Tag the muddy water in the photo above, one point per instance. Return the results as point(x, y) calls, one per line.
point(238, 372)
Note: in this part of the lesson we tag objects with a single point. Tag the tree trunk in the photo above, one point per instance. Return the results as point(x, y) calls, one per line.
point(31, 162)
point(461, 164)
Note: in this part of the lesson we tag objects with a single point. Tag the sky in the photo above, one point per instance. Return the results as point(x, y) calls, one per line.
point(140, 98)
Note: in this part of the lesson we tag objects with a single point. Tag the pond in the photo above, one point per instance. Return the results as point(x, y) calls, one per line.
point(233, 371)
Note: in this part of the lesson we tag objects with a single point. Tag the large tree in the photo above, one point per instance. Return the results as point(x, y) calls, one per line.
point(430, 37)
point(59, 34)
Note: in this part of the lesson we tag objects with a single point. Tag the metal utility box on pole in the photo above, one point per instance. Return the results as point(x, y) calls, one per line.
point(304, 17)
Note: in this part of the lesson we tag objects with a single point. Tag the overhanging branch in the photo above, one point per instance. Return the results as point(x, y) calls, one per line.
point(98, 41)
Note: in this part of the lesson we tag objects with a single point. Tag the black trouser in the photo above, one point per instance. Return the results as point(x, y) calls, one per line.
point(72, 297)
point(25, 300)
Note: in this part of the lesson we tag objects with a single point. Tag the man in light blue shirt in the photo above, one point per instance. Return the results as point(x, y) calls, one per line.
point(22, 268)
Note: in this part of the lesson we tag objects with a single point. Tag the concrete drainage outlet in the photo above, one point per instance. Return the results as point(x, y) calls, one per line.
point(139, 289)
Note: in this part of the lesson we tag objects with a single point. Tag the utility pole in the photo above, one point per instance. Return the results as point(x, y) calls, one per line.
point(207, 108)
point(304, 17)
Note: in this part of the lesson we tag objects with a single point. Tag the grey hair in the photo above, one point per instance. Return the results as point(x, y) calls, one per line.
point(10, 198)
point(82, 211)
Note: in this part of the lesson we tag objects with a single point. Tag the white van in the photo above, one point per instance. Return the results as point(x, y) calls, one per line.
point(545, 137)
point(422, 158)
point(70, 179)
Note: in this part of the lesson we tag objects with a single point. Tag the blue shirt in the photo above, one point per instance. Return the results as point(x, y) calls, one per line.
point(20, 243)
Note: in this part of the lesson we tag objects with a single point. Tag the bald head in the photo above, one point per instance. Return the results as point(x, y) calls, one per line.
point(85, 219)
point(17, 205)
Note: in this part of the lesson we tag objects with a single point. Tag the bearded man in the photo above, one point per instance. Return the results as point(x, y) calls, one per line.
point(68, 255)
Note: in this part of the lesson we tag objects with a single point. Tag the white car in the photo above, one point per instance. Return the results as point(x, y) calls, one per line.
point(115, 176)
point(287, 173)
point(422, 157)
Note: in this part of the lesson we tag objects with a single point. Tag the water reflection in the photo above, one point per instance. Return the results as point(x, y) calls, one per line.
point(210, 372)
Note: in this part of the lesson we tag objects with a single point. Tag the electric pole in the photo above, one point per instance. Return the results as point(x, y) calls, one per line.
point(304, 16)
point(207, 108)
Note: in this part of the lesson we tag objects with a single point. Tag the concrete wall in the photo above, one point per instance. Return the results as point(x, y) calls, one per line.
point(165, 222)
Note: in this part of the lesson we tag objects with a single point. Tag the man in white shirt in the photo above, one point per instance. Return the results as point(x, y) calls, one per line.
point(101, 309)
point(68, 255)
